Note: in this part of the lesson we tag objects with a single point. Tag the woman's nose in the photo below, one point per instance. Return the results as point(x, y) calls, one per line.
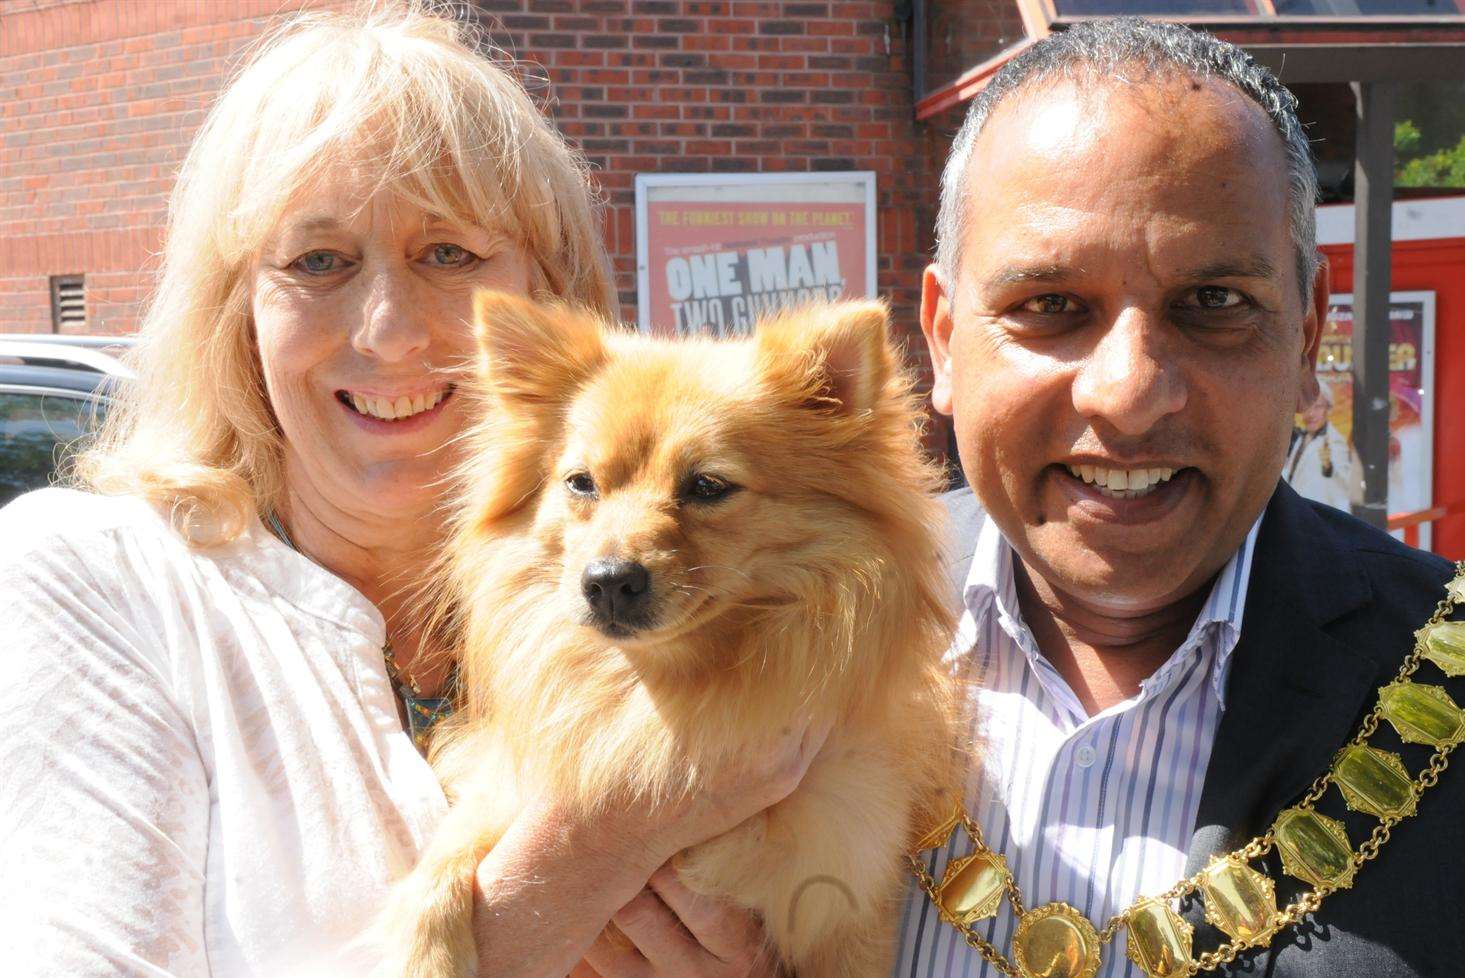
point(1129, 378)
point(393, 323)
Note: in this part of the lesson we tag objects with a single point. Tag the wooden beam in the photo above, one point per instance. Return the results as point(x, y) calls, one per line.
point(1036, 16)
point(970, 83)
point(1373, 198)
point(1294, 63)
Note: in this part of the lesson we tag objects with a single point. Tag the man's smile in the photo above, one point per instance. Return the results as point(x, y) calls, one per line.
point(1129, 494)
point(1122, 483)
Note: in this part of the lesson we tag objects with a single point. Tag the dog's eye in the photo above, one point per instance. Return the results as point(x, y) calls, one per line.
point(708, 488)
point(581, 484)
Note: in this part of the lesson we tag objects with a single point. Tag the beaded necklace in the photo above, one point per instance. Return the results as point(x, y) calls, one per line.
point(1057, 941)
point(422, 712)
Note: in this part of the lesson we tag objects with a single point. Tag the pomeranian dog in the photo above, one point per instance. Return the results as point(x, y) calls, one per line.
point(663, 552)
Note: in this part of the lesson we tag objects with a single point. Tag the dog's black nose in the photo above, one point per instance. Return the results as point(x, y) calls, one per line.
point(617, 591)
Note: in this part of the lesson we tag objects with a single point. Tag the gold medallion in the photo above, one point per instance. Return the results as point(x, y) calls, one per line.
point(1056, 941)
point(1422, 714)
point(1374, 781)
point(1444, 645)
point(1239, 901)
point(972, 887)
point(1315, 848)
point(1159, 940)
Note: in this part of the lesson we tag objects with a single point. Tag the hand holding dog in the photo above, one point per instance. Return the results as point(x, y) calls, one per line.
point(675, 932)
point(739, 794)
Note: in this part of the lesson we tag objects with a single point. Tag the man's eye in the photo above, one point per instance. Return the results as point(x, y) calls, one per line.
point(320, 262)
point(580, 484)
point(708, 488)
point(451, 256)
point(1215, 297)
point(1050, 303)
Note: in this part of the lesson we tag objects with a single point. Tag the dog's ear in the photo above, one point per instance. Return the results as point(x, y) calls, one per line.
point(835, 356)
point(532, 350)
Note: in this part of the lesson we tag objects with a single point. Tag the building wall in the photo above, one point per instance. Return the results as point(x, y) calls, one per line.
point(100, 99)
point(98, 103)
point(735, 87)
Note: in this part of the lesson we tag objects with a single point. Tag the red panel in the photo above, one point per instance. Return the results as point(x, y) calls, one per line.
point(1437, 266)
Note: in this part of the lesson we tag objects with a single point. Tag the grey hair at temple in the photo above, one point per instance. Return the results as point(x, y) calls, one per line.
point(1107, 50)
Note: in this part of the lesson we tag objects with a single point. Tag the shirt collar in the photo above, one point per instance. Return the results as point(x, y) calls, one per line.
point(991, 589)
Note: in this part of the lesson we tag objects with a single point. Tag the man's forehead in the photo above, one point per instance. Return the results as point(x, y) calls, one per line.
point(1173, 115)
point(1065, 170)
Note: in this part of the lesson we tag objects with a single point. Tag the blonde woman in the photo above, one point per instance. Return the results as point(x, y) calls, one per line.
point(208, 665)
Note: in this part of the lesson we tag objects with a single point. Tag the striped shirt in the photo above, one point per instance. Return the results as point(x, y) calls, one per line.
point(1093, 811)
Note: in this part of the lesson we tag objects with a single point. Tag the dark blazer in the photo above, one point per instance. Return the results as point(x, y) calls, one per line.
point(1331, 608)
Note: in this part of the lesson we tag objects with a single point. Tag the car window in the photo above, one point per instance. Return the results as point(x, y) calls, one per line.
point(36, 432)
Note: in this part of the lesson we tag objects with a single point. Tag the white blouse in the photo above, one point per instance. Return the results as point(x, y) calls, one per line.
point(202, 772)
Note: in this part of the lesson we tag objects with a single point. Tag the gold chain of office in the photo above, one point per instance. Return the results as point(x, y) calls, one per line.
point(1056, 941)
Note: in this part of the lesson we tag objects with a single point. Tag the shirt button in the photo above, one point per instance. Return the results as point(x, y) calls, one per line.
point(1084, 756)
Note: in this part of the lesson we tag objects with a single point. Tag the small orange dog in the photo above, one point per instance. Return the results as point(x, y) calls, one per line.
point(665, 551)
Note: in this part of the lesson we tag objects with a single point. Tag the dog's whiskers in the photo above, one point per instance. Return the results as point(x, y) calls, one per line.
point(726, 567)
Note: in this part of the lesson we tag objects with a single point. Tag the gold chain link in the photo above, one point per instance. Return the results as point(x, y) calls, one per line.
point(986, 949)
point(1294, 912)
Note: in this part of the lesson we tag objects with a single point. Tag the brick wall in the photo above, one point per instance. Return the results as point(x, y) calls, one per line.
point(98, 102)
point(100, 98)
point(736, 87)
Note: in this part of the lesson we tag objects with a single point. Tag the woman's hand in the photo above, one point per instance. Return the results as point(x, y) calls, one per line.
point(738, 793)
point(554, 881)
point(667, 931)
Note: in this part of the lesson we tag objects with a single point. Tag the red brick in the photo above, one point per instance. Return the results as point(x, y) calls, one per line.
point(104, 96)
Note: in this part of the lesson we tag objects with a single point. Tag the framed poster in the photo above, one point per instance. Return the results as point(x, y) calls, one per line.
point(1320, 460)
point(715, 252)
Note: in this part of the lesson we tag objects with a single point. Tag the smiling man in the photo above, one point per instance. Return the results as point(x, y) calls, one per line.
point(1169, 645)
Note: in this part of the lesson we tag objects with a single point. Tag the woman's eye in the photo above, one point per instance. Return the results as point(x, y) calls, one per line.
point(451, 256)
point(708, 488)
point(320, 262)
point(1050, 303)
point(1215, 297)
point(580, 484)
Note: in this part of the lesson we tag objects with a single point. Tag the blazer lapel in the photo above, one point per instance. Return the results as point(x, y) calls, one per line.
point(1294, 693)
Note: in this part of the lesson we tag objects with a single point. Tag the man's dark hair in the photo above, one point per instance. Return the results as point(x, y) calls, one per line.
point(1128, 50)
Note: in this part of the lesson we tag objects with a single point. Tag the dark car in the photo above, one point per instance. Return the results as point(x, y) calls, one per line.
point(53, 392)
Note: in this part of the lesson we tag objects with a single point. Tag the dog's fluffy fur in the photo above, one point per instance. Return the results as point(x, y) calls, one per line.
point(814, 585)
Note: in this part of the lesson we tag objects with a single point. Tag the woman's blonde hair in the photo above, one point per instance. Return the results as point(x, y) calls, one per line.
point(394, 87)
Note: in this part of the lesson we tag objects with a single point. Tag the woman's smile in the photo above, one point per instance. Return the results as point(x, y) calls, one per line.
point(395, 414)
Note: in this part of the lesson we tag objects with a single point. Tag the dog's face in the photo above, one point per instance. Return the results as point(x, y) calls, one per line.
point(676, 481)
point(654, 500)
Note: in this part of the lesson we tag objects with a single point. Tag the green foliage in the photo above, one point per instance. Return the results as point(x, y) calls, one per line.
point(1406, 137)
point(1442, 168)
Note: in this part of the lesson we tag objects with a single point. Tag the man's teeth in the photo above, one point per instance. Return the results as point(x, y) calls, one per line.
point(1122, 483)
point(389, 409)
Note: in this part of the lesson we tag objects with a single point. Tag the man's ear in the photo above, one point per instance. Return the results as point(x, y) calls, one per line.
point(534, 351)
point(936, 325)
point(836, 356)
point(1313, 324)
